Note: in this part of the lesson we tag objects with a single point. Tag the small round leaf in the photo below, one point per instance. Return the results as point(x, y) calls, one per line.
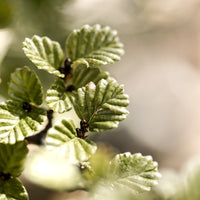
point(133, 172)
point(17, 123)
point(12, 189)
point(12, 157)
point(63, 139)
point(94, 46)
point(25, 86)
point(102, 105)
point(44, 53)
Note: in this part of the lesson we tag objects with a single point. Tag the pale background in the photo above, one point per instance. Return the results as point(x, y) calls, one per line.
point(160, 70)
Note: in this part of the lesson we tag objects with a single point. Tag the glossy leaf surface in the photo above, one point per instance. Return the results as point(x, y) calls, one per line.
point(133, 172)
point(57, 98)
point(12, 189)
point(63, 136)
point(12, 157)
point(25, 86)
point(44, 53)
point(94, 46)
point(17, 123)
point(102, 105)
point(83, 75)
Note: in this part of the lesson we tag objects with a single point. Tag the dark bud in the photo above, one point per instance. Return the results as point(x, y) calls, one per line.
point(70, 88)
point(83, 130)
point(5, 176)
point(27, 107)
point(84, 125)
point(82, 166)
point(67, 66)
point(79, 133)
point(66, 70)
point(62, 70)
point(67, 63)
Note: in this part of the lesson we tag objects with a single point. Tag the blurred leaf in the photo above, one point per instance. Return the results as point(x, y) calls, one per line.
point(63, 136)
point(12, 189)
point(93, 170)
point(102, 106)
point(12, 157)
point(94, 46)
point(133, 173)
point(47, 169)
point(83, 75)
point(178, 186)
point(126, 176)
point(193, 184)
point(105, 193)
point(189, 182)
point(16, 123)
point(6, 38)
point(57, 98)
point(25, 86)
point(44, 53)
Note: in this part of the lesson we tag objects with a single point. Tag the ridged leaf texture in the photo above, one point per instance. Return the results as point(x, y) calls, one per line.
point(63, 136)
point(102, 105)
point(83, 75)
point(12, 189)
point(44, 53)
point(12, 157)
point(17, 123)
point(133, 172)
point(57, 98)
point(25, 86)
point(94, 46)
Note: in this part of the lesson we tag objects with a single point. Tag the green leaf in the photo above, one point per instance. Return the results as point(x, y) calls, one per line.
point(63, 136)
point(25, 86)
point(44, 53)
point(133, 172)
point(16, 123)
point(12, 157)
point(94, 46)
point(48, 169)
point(57, 98)
point(102, 105)
point(12, 189)
point(82, 75)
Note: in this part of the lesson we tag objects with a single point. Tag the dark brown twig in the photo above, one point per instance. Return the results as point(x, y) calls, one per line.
point(40, 137)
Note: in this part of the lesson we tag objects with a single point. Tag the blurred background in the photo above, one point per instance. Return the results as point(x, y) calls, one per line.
point(160, 69)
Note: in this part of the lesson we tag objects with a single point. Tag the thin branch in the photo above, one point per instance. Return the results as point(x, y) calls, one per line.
point(78, 189)
point(40, 137)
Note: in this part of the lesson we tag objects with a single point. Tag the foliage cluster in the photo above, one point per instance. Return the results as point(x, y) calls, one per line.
point(68, 159)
